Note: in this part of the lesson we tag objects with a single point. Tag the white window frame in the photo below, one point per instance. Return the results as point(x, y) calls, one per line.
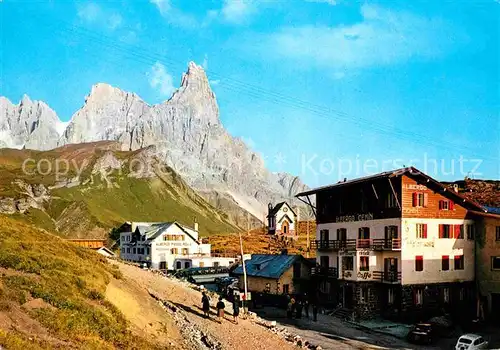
point(420, 229)
point(446, 295)
point(390, 296)
point(419, 296)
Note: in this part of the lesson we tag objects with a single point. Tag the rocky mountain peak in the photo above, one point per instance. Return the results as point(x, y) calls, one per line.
point(186, 131)
point(25, 100)
point(29, 124)
point(5, 102)
point(196, 94)
point(103, 93)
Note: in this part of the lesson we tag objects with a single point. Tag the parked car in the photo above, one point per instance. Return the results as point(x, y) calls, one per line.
point(471, 342)
point(442, 326)
point(421, 333)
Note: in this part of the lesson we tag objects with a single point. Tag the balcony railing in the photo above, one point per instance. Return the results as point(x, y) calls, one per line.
point(387, 276)
point(334, 244)
point(351, 244)
point(363, 243)
point(325, 271)
point(386, 244)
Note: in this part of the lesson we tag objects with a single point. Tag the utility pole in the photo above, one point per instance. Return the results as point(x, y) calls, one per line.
point(244, 275)
point(308, 243)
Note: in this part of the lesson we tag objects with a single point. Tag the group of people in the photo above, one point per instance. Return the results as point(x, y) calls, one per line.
point(297, 305)
point(220, 306)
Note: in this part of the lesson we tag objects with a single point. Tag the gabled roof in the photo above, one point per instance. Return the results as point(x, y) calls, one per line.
point(143, 229)
point(268, 265)
point(285, 217)
point(110, 252)
point(277, 208)
point(158, 229)
point(412, 172)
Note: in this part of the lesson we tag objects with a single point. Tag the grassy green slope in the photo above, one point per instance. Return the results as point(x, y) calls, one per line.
point(136, 200)
point(68, 283)
point(93, 208)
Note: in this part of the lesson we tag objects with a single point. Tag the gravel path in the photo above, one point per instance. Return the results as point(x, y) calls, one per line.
point(245, 335)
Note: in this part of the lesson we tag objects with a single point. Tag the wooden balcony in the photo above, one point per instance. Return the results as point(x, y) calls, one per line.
point(352, 244)
point(333, 244)
point(386, 244)
point(387, 276)
point(325, 271)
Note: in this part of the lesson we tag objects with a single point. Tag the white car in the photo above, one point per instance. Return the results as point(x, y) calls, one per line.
point(471, 342)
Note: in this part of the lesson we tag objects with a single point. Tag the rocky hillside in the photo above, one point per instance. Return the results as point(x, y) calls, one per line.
point(485, 192)
point(84, 190)
point(185, 130)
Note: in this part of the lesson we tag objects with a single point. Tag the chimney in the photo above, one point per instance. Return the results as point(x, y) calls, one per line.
point(195, 225)
point(345, 179)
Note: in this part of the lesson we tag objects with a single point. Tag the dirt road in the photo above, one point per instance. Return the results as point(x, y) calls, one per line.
point(242, 336)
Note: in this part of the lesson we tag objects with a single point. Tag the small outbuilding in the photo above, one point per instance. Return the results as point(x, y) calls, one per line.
point(275, 274)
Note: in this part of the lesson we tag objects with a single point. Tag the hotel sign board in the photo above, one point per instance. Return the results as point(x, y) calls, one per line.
point(415, 187)
point(354, 217)
point(173, 244)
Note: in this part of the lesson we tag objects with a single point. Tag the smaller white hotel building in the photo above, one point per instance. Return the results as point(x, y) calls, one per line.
point(167, 246)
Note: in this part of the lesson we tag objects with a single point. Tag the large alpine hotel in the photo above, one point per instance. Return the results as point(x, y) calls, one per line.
point(400, 244)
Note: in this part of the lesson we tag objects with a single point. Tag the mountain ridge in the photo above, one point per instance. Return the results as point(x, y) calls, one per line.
point(188, 134)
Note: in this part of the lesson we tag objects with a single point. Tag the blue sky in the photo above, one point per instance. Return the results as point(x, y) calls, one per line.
point(323, 89)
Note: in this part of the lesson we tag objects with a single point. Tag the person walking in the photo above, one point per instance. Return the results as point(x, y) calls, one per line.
point(294, 305)
point(299, 308)
point(306, 306)
point(289, 307)
point(205, 302)
point(220, 309)
point(315, 311)
point(236, 308)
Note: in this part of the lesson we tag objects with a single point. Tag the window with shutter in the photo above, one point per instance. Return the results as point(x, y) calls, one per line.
point(446, 205)
point(445, 263)
point(415, 198)
point(445, 231)
point(458, 231)
point(421, 230)
point(459, 262)
point(419, 263)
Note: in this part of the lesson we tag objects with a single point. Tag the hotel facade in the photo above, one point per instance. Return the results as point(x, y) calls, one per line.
point(397, 244)
point(167, 246)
